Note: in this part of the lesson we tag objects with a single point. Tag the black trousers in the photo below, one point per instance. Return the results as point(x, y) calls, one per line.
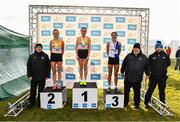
point(136, 88)
point(153, 81)
point(177, 66)
point(33, 90)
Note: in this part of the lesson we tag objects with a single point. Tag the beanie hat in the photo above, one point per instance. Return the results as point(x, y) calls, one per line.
point(38, 45)
point(137, 45)
point(158, 44)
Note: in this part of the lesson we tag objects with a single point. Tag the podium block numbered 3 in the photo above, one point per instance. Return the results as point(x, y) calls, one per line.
point(53, 99)
point(85, 96)
point(113, 100)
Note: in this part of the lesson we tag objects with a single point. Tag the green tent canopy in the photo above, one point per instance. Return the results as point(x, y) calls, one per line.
point(14, 52)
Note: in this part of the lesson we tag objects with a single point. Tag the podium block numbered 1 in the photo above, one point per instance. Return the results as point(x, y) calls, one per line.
point(53, 99)
point(85, 97)
point(113, 100)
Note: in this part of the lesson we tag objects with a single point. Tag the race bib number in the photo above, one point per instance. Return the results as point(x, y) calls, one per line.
point(57, 50)
point(82, 46)
point(114, 51)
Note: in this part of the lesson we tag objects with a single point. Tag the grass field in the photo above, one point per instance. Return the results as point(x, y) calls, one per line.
point(101, 114)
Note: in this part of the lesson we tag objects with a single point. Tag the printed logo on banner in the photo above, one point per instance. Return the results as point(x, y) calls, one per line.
point(95, 76)
point(45, 40)
point(70, 25)
point(69, 54)
point(70, 47)
point(70, 32)
point(70, 18)
point(70, 61)
point(96, 25)
point(58, 25)
point(120, 62)
point(95, 19)
point(132, 27)
point(95, 33)
point(70, 40)
point(120, 26)
point(45, 18)
point(69, 69)
point(95, 54)
point(60, 37)
point(105, 83)
point(131, 41)
point(120, 77)
point(83, 19)
point(121, 33)
point(123, 48)
point(46, 47)
point(45, 26)
point(106, 40)
point(95, 62)
point(70, 76)
point(105, 55)
point(45, 33)
point(105, 69)
point(120, 19)
point(107, 33)
point(96, 47)
point(80, 25)
point(108, 19)
point(108, 26)
point(95, 40)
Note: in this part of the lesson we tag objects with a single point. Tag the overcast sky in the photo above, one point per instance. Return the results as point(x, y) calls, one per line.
point(164, 14)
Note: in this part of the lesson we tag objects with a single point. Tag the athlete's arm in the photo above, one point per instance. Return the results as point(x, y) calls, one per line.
point(62, 47)
point(107, 48)
point(76, 48)
point(119, 51)
point(50, 46)
point(89, 47)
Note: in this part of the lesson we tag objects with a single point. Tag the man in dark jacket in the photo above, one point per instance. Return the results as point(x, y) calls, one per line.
point(177, 60)
point(134, 66)
point(159, 61)
point(38, 69)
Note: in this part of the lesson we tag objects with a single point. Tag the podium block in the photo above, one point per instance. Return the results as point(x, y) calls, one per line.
point(113, 100)
point(53, 99)
point(85, 97)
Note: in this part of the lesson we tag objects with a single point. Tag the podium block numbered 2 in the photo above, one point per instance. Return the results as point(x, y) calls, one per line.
point(85, 96)
point(53, 99)
point(113, 100)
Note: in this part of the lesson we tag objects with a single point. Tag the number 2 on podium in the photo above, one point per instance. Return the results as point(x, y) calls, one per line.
point(51, 99)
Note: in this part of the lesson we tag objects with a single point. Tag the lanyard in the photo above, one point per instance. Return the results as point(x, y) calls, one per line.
point(115, 44)
point(83, 42)
point(56, 43)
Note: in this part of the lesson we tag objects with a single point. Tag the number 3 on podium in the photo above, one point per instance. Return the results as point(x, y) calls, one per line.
point(116, 101)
